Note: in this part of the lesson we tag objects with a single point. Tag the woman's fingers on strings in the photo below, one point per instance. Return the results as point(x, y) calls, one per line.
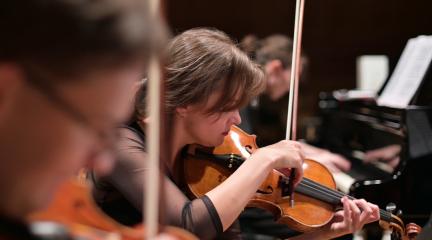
point(355, 215)
point(361, 213)
point(366, 211)
point(338, 216)
point(370, 212)
point(346, 222)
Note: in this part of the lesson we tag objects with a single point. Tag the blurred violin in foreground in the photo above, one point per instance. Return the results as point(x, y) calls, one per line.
point(74, 215)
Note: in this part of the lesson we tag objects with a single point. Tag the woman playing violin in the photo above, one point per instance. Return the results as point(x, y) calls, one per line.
point(207, 80)
point(66, 72)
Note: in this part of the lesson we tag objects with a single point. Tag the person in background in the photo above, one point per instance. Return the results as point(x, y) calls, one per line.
point(265, 116)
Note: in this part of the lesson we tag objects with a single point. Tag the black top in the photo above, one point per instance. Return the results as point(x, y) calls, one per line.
point(120, 194)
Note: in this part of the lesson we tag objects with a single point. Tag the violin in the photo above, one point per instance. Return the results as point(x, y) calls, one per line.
point(316, 197)
point(75, 215)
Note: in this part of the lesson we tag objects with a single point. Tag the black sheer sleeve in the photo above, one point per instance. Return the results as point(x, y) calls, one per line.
point(198, 216)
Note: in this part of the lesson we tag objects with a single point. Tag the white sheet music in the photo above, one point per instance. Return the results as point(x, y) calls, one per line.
point(408, 74)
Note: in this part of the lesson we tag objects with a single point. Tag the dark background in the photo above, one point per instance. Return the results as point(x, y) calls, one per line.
point(335, 31)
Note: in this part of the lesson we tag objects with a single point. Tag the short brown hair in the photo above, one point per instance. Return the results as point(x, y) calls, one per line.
point(201, 61)
point(274, 47)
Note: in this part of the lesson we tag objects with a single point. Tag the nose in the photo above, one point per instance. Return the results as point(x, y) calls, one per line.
point(236, 118)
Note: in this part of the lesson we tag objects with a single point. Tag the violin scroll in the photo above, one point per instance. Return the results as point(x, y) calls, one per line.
point(392, 222)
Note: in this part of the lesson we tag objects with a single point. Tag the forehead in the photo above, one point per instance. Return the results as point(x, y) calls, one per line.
point(227, 100)
point(217, 102)
point(210, 101)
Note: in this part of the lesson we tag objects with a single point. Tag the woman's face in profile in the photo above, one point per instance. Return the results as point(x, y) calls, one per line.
point(209, 129)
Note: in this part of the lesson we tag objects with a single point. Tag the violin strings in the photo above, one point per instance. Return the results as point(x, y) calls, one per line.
point(323, 189)
point(309, 184)
point(331, 192)
point(336, 195)
point(319, 189)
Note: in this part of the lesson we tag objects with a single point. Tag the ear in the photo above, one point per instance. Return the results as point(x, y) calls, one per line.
point(274, 67)
point(274, 71)
point(182, 111)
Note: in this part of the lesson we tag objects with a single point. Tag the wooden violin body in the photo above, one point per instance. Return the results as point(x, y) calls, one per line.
point(74, 208)
point(204, 172)
point(316, 198)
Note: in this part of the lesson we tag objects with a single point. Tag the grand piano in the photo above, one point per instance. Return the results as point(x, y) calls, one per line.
point(353, 127)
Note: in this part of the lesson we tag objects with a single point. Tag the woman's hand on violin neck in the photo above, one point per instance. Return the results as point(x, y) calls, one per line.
point(284, 154)
point(355, 214)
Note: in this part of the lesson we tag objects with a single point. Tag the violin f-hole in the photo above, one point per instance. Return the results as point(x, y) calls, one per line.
point(269, 190)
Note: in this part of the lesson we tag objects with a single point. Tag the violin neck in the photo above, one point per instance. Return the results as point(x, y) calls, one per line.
point(317, 191)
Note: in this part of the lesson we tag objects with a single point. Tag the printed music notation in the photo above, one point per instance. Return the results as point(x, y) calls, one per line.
point(408, 74)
